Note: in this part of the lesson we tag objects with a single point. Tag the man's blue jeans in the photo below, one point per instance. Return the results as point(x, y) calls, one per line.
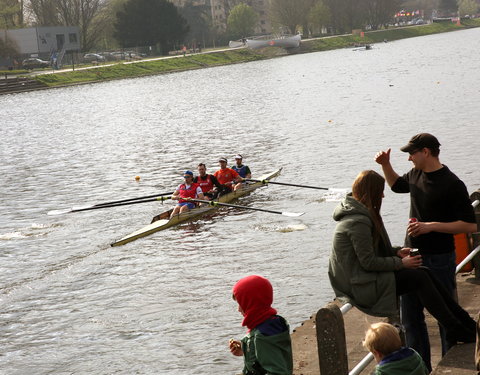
point(411, 309)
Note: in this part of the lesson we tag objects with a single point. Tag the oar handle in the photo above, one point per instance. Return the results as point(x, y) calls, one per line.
point(265, 182)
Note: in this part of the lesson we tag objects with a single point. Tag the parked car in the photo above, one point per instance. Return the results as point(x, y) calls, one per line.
point(33, 62)
point(93, 57)
point(119, 55)
point(108, 56)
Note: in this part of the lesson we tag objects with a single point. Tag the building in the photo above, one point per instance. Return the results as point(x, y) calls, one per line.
point(44, 41)
point(220, 9)
point(262, 8)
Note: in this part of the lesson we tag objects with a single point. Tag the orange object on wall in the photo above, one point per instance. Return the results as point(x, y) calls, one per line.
point(462, 249)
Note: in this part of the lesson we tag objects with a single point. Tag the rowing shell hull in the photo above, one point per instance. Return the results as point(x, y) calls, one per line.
point(162, 224)
point(283, 42)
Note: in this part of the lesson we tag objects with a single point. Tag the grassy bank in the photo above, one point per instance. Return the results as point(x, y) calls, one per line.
point(145, 68)
point(326, 44)
point(13, 72)
point(198, 61)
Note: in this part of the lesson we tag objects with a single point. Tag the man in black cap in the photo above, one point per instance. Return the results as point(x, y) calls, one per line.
point(440, 203)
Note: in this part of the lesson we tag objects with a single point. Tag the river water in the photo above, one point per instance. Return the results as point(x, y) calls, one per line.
point(71, 304)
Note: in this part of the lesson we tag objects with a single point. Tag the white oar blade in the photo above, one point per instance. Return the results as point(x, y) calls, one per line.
point(59, 212)
point(293, 214)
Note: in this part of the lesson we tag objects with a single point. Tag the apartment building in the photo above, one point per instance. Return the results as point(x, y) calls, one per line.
point(220, 9)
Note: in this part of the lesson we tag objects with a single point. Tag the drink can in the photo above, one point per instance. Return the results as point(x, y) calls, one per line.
point(412, 220)
point(414, 252)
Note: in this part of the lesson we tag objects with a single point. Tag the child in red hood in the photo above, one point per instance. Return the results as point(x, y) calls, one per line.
point(267, 348)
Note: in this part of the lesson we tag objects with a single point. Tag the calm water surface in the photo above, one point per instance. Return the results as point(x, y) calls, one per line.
point(71, 304)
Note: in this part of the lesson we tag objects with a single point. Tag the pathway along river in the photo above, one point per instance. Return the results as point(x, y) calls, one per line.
point(71, 304)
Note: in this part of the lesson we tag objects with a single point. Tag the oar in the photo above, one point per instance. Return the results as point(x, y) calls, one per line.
point(107, 203)
point(215, 203)
point(131, 199)
point(285, 184)
point(104, 205)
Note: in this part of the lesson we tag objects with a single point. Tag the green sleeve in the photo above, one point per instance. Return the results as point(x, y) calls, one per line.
point(362, 241)
point(274, 353)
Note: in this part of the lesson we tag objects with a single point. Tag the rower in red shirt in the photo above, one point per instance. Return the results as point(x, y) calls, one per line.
point(207, 182)
point(227, 176)
point(184, 193)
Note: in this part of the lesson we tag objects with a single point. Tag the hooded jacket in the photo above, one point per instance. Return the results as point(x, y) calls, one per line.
point(360, 268)
point(267, 347)
point(405, 361)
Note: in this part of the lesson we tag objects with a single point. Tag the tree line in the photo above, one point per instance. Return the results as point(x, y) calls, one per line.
point(158, 24)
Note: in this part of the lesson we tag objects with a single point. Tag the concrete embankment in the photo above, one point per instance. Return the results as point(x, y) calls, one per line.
point(214, 58)
point(458, 361)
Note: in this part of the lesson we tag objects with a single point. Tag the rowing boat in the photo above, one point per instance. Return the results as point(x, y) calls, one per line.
point(163, 221)
point(283, 41)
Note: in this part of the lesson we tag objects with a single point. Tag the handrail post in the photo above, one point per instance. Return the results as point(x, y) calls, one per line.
point(331, 342)
point(476, 236)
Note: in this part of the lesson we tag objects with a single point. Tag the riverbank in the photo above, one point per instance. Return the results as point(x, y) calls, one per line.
point(233, 56)
point(459, 360)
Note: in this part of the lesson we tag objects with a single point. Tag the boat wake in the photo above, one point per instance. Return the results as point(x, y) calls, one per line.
point(34, 230)
point(334, 195)
point(281, 228)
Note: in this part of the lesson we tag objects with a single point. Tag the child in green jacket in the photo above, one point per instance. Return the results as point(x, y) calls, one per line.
point(267, 348)
point(383, 341)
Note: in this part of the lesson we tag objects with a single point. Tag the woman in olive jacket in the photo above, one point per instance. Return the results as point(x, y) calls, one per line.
point(367, 272)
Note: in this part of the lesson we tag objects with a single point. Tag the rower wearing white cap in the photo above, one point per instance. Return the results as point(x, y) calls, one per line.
point(241, 169)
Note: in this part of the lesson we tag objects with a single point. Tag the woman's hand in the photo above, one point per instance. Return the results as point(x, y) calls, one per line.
point(235, 347)
point(412, 262)
point(404, 252)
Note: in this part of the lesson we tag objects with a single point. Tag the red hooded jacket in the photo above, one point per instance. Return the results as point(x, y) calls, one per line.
point(254, 294)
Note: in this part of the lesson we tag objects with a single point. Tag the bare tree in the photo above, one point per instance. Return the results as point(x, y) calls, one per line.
point(467, 7)
point(291, 14)
point(426, 5)
point(380, 12)
point(44, 12)
point(81, 13)
point(346, 14)
point(319, 16)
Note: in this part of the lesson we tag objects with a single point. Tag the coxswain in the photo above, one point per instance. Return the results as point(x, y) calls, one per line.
point(184, 192)
point(207, 182)
point(227, 177)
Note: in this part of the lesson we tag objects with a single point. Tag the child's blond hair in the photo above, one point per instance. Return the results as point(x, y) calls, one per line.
point(382, 337)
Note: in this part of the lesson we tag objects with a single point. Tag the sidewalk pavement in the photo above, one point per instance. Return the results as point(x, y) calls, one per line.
point(458, 361)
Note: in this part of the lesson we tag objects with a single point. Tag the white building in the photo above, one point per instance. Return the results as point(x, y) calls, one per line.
point(43, 41)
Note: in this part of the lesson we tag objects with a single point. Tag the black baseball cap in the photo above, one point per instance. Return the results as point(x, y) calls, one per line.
point(420, 141)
